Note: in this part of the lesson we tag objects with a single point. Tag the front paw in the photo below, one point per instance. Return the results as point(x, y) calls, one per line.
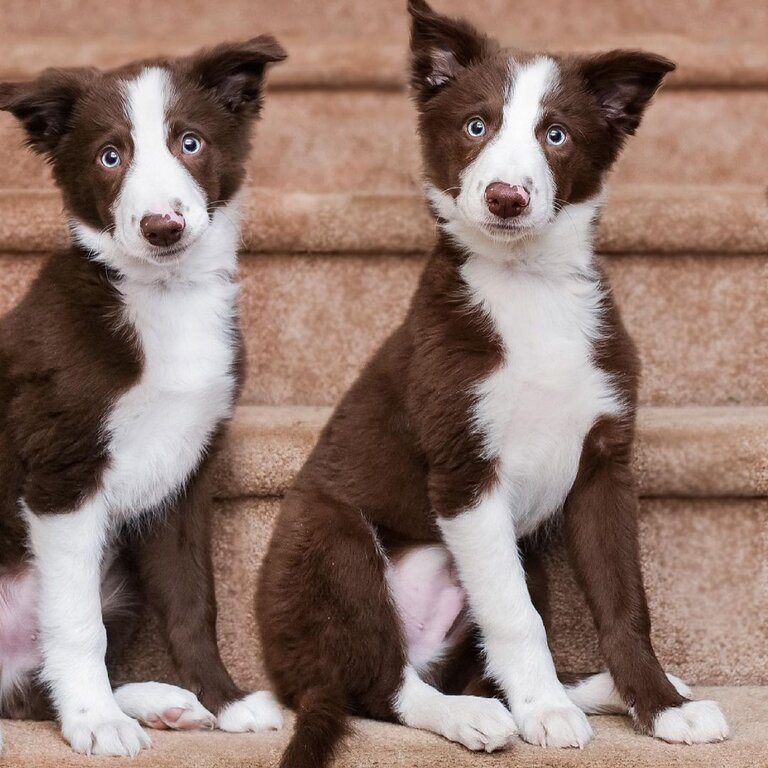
point(115, 735)
point(552, 723)
point(256, 712)
point(693, 722)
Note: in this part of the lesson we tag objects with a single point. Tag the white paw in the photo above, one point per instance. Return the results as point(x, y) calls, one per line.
point(477, 723)
point(694, 722)
point(256, 712)
point(162, 706)
point(118, 735)
point(549, 724)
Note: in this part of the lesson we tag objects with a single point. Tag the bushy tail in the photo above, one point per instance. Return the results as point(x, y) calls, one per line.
point(322, 721)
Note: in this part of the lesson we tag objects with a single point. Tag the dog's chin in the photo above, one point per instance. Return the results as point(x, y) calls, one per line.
point(507, 232)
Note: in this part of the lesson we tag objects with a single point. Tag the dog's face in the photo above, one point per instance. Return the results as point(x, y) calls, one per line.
point(144, 155)
point(509, 138)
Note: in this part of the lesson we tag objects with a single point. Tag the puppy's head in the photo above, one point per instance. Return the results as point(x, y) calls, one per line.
point(511, 138)
point(144, 155)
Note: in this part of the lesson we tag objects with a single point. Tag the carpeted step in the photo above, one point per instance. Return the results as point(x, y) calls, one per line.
point(345, 19)
point(688, 452)
point(326, 141)
point(379, 63)
point(376, 745)
point(687, 264)
point(703, 480)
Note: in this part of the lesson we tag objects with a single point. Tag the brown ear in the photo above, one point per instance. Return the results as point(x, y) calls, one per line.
point(623, 82)
point(440, 48)
point(44, 106)
point(234, 72)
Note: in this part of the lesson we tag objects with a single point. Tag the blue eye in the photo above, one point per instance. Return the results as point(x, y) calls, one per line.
point(110, 158)
point(475, 127)
point(191, 144)
point(556, 135)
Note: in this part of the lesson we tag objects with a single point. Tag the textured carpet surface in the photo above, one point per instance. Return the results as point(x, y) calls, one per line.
point(378, 62)
point(689, 452)
point(380, 745)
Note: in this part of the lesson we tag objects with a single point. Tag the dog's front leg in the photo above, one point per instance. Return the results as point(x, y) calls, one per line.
point(177, 574)
point(68, 550)
point(602, 537)
point(484, 546)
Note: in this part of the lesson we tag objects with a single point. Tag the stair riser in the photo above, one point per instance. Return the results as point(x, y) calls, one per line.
point(241, 18)
point(328, 141)
point(311, 322)
point(701, 559)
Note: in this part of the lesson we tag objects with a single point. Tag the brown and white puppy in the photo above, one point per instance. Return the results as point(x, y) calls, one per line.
point(507, 397)
point(118, 373)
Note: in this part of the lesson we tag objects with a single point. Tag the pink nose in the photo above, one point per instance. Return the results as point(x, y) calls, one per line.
point(505, 200)
point(162, 229)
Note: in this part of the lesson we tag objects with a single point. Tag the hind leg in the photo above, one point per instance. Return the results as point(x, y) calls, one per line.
point(325, 614)
point(163, 707)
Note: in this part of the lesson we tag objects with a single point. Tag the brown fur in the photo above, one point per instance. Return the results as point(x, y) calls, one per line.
point(65, 354)
point(400, 451)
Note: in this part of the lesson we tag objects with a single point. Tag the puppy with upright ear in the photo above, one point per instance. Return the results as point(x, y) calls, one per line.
point(120, 371)
point(395, 585)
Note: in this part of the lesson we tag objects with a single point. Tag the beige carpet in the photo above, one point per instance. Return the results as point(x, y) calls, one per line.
point(379, 745)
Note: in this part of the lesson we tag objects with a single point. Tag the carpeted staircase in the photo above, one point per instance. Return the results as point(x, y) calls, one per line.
point(334, 238)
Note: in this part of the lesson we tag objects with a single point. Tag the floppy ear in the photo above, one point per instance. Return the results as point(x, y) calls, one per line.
point(623, 82)
point(44, 106)
point(440, 48)
point(234, 72)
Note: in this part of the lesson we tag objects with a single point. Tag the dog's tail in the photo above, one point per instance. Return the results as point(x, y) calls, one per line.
point(322, 722)
point(598, 695)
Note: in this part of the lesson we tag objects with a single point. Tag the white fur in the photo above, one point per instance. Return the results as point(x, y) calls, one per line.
point(256, 712)
point(483, 542)
point(159, 705)
point(694, 722)
point(476, 722)
point(68, 552)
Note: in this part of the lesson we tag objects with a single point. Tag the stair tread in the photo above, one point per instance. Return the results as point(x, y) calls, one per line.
point(638, 218)
point(689, 451)
point(379, 744)
point(379, 63)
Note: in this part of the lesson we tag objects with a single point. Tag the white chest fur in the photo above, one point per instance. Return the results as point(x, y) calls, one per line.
point(536, 408)
point(160, 428)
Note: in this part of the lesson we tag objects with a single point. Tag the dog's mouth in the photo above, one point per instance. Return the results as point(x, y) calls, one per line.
point(507, 228)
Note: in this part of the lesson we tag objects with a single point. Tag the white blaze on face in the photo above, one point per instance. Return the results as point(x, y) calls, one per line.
point(514, 156)
point(156, 181)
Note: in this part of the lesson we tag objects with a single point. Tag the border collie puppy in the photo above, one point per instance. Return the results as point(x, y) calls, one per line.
point(118, 373)
point(507, 397)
